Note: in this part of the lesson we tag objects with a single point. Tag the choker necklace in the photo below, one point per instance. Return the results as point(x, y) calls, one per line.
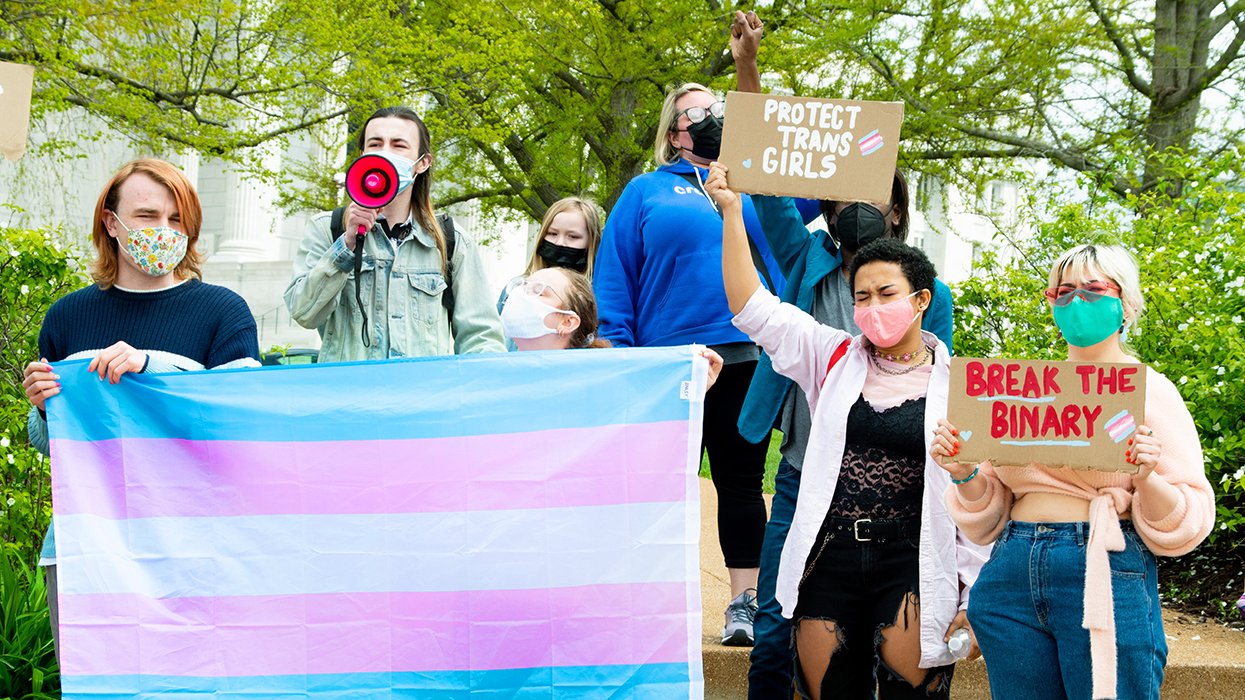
point(929, 354)
point(901, 359)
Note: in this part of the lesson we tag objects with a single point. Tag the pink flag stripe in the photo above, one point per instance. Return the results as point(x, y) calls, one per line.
point(1120, 428)
point(180, 478)
point(123, 634)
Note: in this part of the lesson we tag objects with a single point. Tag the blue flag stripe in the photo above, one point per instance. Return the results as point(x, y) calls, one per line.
point(610, 387)
point(648, 681)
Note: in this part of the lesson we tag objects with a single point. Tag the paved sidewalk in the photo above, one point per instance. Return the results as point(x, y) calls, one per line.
point(1205, 661)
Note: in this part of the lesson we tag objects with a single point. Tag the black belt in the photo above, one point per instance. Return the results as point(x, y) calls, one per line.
point(875, 530)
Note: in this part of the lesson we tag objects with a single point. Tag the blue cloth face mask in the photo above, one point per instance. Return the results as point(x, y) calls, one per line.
point(1087, 319)
point(405, 167)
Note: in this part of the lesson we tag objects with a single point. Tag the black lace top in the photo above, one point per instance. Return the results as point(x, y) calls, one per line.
point(883, 474)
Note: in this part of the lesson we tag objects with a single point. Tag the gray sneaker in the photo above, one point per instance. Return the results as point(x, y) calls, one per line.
point(739, 616)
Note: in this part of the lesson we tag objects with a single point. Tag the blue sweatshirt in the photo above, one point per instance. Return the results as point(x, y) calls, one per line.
point(658, 272)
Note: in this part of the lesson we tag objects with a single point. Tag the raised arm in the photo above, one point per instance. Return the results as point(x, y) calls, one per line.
point(746, 31)
point(738, 275)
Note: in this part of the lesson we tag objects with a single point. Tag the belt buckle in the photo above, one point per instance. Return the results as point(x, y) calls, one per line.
point(856, 529)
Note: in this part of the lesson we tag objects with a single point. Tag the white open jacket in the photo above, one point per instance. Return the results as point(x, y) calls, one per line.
point(800, 348)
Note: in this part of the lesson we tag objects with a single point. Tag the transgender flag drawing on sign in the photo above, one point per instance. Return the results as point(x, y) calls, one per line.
point(506, 526)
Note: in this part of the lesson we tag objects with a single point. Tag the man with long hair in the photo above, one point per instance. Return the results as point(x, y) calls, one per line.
point(411, 268)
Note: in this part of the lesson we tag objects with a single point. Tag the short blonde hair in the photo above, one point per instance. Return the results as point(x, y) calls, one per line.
point(1112, 261)
point(592, 222)
point(663, 151)
point(104, 268)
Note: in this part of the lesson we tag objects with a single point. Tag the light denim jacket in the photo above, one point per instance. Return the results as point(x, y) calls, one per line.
point(405, 312)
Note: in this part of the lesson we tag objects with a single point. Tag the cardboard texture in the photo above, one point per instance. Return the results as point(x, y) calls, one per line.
point(1061, 414)
point(16, 85)
point(843, 150)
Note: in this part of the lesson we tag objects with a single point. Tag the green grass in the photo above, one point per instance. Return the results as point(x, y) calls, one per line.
point(771, 463)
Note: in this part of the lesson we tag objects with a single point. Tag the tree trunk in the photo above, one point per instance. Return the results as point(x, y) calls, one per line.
point(1182, 36)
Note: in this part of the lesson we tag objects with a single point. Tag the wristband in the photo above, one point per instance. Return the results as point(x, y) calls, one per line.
point(968, 478)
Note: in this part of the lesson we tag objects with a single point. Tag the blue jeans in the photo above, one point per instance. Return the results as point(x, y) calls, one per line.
point(1027, 606)
point(769, 676)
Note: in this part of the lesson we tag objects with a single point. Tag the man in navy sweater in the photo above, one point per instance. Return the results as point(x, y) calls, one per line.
point(147, 310)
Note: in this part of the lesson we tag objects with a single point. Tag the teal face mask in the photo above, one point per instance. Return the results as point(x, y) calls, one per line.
point(1086, 322)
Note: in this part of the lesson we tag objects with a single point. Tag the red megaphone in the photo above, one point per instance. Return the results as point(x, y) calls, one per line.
point(372, 181)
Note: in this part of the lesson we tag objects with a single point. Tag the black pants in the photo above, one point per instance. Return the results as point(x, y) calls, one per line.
point(862, 587)
point(737, 467)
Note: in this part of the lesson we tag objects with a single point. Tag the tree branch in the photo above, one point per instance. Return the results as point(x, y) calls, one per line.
point(1130, 68)
point(1230, 53)
point(506, 191)
point(954, 153)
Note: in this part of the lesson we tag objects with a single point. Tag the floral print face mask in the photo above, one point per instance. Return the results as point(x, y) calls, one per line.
point(156, 250)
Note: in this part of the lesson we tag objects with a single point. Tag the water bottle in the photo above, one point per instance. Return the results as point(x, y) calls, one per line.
point(960, 644)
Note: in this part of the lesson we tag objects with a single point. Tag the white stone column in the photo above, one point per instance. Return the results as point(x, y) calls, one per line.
point(243, 214)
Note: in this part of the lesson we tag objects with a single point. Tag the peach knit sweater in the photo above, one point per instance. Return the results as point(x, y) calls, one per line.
point(1109, 494)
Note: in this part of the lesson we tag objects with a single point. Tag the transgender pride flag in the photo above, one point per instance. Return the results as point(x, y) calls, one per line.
point(507, 526)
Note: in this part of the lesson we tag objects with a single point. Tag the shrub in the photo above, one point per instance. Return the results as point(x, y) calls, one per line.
point(34, 272)
point(28, 669)
point(1191, 250)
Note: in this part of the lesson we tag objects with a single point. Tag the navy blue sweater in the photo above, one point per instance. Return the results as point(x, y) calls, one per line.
point(205, 324)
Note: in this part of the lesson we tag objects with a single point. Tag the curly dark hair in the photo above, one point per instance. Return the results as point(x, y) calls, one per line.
point(915, 266)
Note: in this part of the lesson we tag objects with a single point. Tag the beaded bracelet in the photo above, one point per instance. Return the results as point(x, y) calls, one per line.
point(968, 478)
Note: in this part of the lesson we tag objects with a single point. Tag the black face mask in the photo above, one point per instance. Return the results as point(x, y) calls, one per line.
point(706, 137)
point(859, 225)
point(556, 255)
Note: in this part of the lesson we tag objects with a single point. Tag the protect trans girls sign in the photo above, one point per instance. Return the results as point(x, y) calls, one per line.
point(807, 147)
point(1061, 414)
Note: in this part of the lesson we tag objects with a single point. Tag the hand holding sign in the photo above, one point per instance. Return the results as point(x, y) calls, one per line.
point(945, 447)
point(1144, 451)
point(718, 190)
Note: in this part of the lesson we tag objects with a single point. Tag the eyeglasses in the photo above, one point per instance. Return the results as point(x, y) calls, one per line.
point(533, 288)
point(697, 115)
point(1091, 292)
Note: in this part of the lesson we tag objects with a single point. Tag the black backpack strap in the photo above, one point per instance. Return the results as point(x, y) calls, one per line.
point(336, 228)
point(757, 261)
point(447, 297)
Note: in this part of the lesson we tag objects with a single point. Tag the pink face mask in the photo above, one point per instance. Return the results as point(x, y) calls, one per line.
point(885, 324)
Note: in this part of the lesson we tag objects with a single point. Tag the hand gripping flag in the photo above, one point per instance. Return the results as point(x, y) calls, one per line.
point(507, 526)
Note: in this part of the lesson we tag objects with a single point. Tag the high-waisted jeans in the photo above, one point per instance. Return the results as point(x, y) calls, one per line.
point(1027, 606)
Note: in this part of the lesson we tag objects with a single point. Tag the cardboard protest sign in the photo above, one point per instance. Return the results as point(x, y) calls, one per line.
point(843, 150)
point(16, 84)
point(1061, 414)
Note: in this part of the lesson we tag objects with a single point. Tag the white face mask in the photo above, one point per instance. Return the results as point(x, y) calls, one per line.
point(524, 314)
point(405, 167)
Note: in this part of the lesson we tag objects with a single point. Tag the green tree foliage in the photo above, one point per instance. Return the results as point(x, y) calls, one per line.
point(1077, 82)
point(34, 272)
point(546, 98)
point(550, 98)
point(214, 75)
point(1192, 257)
